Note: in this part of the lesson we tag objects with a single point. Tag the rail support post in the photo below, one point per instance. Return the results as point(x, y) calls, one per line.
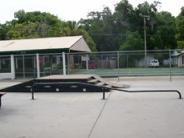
point(180, 96)
point(32, 93)
point(0, 102)
point(103, 92)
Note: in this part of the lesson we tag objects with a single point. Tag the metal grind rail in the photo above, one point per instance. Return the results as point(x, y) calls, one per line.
point(141, 91)
point(65, 87)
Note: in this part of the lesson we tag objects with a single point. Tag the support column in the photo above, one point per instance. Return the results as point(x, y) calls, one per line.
point(37, 65)
point(12, 67)
point(64, 63)
point(87, 62)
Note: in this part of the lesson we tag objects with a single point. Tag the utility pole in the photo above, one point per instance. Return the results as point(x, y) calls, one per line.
point(145, 40)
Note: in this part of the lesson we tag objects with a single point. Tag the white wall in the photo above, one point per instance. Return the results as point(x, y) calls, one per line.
point(6, 76)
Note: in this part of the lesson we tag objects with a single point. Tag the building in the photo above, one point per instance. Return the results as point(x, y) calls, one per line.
point(178, 58)
point(38, 57)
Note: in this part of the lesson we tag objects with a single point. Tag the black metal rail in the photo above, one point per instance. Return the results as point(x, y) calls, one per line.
point(141, 91)
point(66, 87)
point(79, 86)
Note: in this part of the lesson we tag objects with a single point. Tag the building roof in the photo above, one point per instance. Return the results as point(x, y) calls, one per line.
point(177, 53)
point(75, 43)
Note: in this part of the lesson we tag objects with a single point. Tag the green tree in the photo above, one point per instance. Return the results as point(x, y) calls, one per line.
point(3, 31)
point(164, 32)
point(41, 24)
point(104, 30)
point(180, 29)
point(72, 29)
point(133, 41)
point(109, 29)
point(100, 27)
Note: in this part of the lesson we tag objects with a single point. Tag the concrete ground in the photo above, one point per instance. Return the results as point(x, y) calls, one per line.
point(83, 115)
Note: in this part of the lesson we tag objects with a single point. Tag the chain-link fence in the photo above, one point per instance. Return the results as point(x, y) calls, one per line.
point(25, 66)
point(115, 63)
point(49, 64)
point(5, 64)
point(127, 63)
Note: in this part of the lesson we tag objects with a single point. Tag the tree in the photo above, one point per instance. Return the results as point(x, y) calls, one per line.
point(165, 31)
point(99, 26)
point(3, 31)
point(180, 29)
point(123, 15)
point(109, 29)
point(131, 21)
point(72, 29)
point(33, 25)
point(104, 30)
point(133, 42)
point(41, 24)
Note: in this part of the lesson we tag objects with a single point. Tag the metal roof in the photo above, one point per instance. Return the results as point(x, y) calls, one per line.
point(76, 43)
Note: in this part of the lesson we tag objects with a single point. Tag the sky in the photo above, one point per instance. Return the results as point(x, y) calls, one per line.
point(74, 9)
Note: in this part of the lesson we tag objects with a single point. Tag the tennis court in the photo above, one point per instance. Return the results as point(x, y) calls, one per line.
point(132, 71)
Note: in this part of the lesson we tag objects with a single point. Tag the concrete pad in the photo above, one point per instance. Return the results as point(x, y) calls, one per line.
point(72, 115)
point(50, 115)
point(140, 116)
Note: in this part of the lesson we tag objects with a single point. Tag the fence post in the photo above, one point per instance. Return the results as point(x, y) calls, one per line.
point(37, 65)
point(64, 63)
point(68, 63)
point(170, 73)
point(12, 67)
point(23, 67)
point(118, 64)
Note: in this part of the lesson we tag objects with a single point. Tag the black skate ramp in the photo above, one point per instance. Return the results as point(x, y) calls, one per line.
point(63, 83)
